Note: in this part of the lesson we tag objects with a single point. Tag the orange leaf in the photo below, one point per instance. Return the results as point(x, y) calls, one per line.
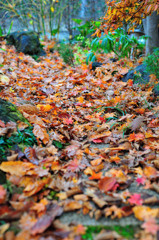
point(115, 159)
point(150, 172)
point(140, 110)
point(3, 194)
point(35, 187)
point(95, 176)
point(44, 108)
point(79, 229)
point(96, 162)
point(17, 168)
point(143, 212)
point(136, 137)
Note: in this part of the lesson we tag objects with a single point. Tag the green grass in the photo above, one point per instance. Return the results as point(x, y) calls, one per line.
point(126, 231)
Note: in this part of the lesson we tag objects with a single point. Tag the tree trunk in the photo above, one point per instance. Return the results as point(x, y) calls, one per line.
point(152, 30)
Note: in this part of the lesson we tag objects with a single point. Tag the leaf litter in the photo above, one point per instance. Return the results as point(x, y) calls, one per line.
point(69, 108)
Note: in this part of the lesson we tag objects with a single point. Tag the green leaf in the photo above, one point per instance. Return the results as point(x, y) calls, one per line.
point(89, 57)
point(76, 20)
point(10, 28)
point(57, 144)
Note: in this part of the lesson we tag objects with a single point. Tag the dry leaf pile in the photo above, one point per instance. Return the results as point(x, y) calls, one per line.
point(80, 109)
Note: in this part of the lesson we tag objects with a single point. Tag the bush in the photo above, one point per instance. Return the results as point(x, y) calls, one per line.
point(118, 42)
point(152, 63)
point(66, 53)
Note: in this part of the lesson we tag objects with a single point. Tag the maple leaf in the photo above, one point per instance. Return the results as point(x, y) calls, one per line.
point(135, 199)
point(136, 137)
point(141, 180)
point(95, 176)
point(75, 165)
point(114, 212)
point(68, 120)
point(150, 226)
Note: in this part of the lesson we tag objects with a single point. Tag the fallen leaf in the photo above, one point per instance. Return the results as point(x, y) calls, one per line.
point(41, 133)
point(4, 79)
point(28, 108)
point(95, 175)
point(106, 184)
point(3, 194)
point(136, 199)
point(45, 220)
point(150, 226)
point(144, 212)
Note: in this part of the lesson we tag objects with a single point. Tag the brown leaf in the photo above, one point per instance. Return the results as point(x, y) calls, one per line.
point(35, 187)
point(28, 108)
point(31, 155)
point(137, 123)
point(80, 197)
point(41, 133)
point(72, 205)
point(45, 221)
point(100, 203)
point(156, 163)
point(104, 235)
point(12, 157)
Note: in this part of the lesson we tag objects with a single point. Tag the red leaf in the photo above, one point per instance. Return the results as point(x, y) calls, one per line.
point(107, 183)
point(2, 124)
point(140, 180)
point(68, 120)
point(75, 165)
point(97, 141)
point(136, 199)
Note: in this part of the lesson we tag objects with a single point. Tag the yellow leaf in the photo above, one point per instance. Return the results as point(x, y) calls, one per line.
point(52, 9)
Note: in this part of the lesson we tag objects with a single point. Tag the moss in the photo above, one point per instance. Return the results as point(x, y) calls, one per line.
point(9, 112)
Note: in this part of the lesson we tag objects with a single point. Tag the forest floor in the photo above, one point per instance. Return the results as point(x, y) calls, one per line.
point(95, 158)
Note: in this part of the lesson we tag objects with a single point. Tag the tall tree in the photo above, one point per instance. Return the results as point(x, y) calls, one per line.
point(131, 13)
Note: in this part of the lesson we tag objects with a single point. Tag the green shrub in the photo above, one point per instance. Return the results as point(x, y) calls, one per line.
point(118, 42)
point(85, 30)
point(152, 63)
point(66, 53)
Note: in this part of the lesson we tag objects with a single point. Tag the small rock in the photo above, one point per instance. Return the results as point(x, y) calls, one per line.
point(96, 64)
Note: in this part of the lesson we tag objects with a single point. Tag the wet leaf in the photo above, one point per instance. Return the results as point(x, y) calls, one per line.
point(106, 184)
